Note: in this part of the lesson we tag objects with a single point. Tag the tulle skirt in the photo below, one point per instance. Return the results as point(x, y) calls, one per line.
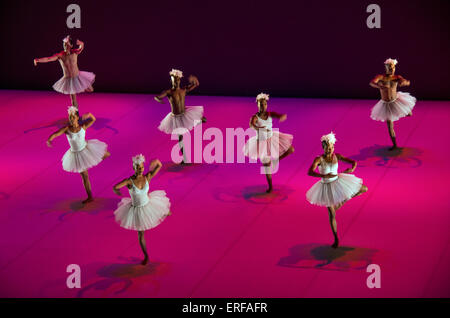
point(192, 115)
point(334, 192)
point(76, 84)
point(394, 110)
point(144, 217)
point(269, 149)
point(82, 160)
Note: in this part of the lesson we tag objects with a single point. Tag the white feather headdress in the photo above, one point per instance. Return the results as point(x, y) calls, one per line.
point(330, 138)
point(176, 73)
point(72, 110)
point(262, 96)
point(391, 61)
point(137, 160)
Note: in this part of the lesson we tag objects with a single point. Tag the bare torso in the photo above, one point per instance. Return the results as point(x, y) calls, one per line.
point(176, 98)
point(389, 90)
point(69, 64)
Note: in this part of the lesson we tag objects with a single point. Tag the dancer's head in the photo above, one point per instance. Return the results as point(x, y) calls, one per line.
point(67, 43)
point(175, 77)
point(138, 164)
point(73, 114)
point(262, 99)
point(328, 142)
point(389, 66)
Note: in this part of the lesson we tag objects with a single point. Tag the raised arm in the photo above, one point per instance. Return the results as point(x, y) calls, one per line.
point(375, 80)
point(91, 122)
point(193, 83)
point(52, 58)
point(155, 166)
point(348, 160)
point(56, 134)
point(160, 97)
point(121, 184)
point(281, 117)
point(80, 47)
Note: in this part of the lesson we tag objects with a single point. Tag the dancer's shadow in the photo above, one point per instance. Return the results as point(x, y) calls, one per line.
point(319, 256)
point(253, 194)
point(187, 171)
point(4, 196)
point(71, 206)
point(121, 276)
point(100, 123)
point(381, 156)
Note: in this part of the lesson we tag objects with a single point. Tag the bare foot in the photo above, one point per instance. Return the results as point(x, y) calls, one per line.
point(145, 261)
point(393, 147)
point(269, 190)
point(336, 243)
point(203, 119)
point(89, 199)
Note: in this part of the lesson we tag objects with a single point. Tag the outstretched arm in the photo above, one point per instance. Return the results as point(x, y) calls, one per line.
point(374, 82)
point(193, 83)
point(121, 184)
point(80, 47)
point(56, 134)
point(91, 122)
point(350, 161)
point(52, 58)
point(155, 166)
point(281, 117)
point(160, 97)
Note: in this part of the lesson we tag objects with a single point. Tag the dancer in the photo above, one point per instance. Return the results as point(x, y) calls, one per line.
point(268, 145)
point(335, 188)
point(144, 210)
point(182, 117)
point(82, 154)
point(74, 81)
point(393, 105)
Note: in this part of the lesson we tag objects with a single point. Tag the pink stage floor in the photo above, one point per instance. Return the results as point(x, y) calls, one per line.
point(225, 238)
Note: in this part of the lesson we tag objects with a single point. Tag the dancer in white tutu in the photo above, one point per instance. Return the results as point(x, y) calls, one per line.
point(74, 81)
point(143, 210)
point(268, 146)
point(83, 154)
point(181, 118)
point(334, 189)
point(393, 105)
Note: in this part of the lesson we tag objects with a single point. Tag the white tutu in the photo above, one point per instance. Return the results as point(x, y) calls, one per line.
point(334, 192)
point(185, 120)
point(76, 84)
point(141, 218)
point(272, 148)
point(89, 156)
point(394, 110)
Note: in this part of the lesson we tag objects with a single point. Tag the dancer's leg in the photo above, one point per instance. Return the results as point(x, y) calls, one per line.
point(287, 153)
point(180, 143)
point(106, 155)
point(333, 223)
point(390, 125)
point(87, 186)
point(268, 176)
point(73, 99)
point(143, 246)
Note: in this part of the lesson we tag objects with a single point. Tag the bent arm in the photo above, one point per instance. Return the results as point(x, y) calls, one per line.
point(121, 184)
point(348, 160)
point(57, 134)
point(403, 81)
point(312, 172)
point(156, 165)
point(161, 96)
point(375, 80)
point(80, 47)
point(281, 117)
point(193, 84)
point(91, 122)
